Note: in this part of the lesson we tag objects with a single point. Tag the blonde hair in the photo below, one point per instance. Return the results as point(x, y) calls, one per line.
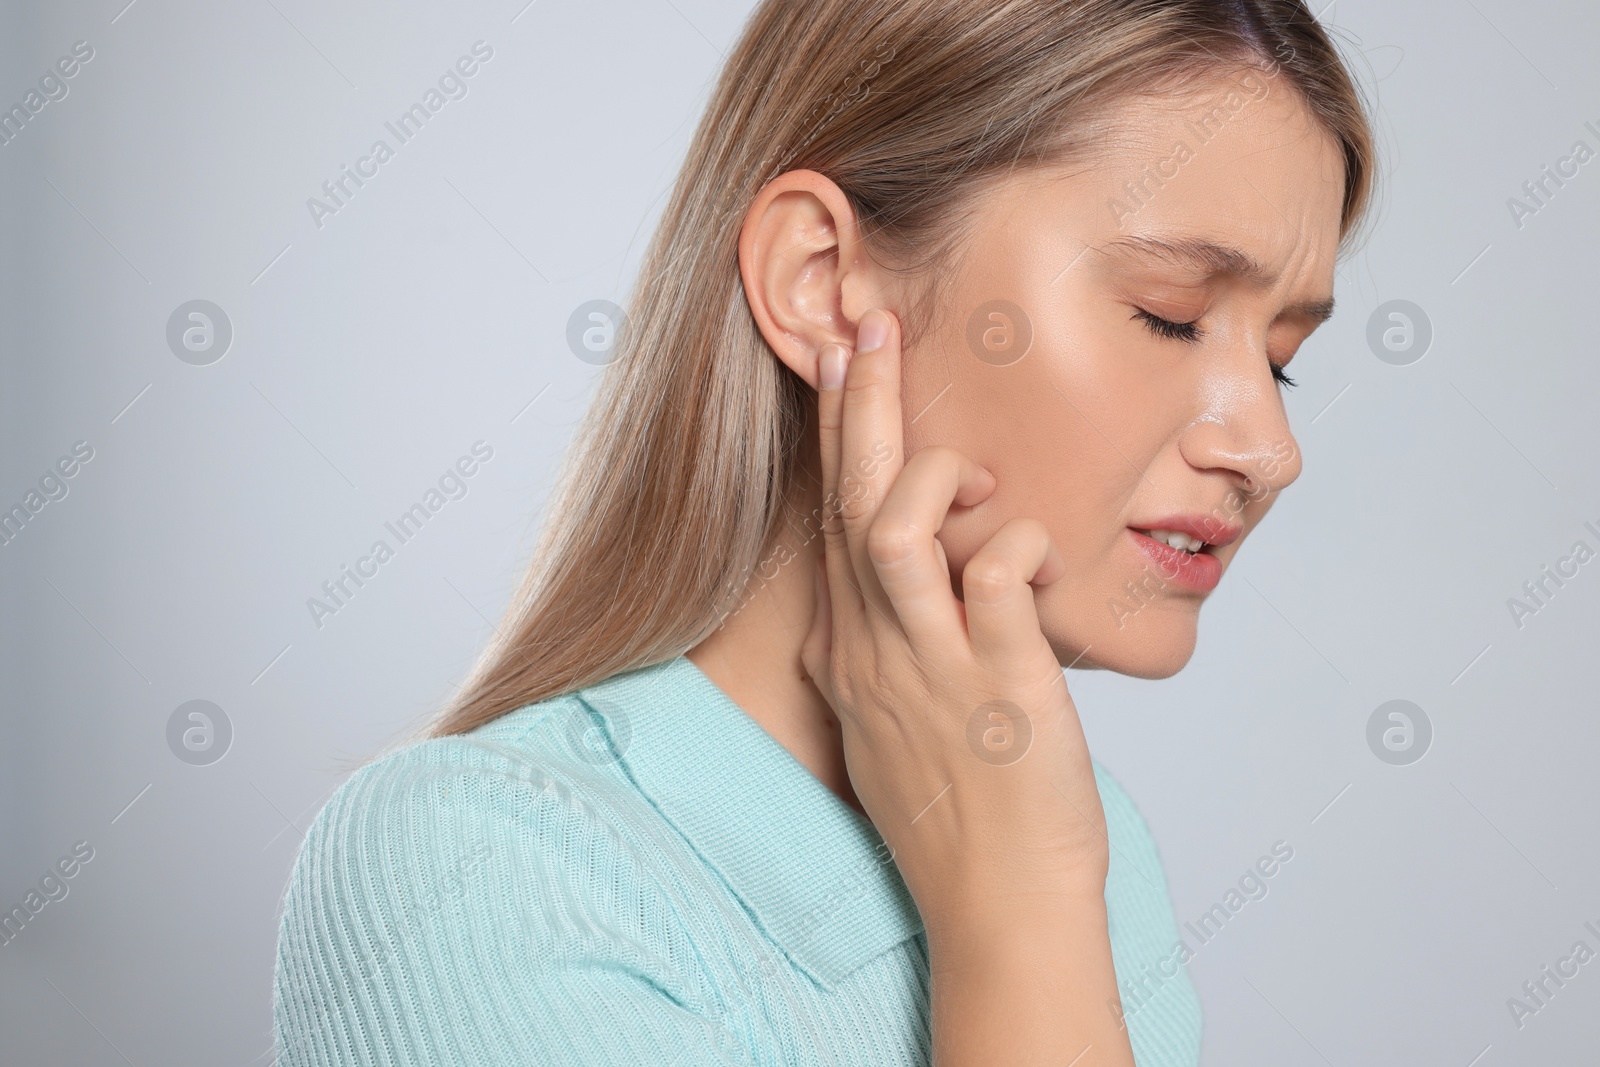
point(677, 482)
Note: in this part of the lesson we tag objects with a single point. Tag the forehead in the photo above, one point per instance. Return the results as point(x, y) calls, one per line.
point(1236, 158)
point(1240, 151)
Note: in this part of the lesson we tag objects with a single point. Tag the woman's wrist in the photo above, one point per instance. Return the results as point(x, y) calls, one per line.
point(975, 927)
point(993, 899)
point(1026, 981)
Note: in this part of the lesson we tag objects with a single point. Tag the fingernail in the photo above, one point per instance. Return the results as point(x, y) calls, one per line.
point(831, 366)
point(873, 331)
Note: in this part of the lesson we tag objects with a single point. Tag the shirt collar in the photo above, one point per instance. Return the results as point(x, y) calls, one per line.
point(813, 871)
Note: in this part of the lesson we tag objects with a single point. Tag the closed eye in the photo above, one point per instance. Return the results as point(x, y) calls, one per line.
point(1180, 331)
point(1190, 332)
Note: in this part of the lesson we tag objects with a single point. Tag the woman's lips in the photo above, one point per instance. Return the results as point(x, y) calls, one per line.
point(1198, 573)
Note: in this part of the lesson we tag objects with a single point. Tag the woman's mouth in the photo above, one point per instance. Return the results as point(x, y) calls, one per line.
point(1175, 539)
point(1183, 556)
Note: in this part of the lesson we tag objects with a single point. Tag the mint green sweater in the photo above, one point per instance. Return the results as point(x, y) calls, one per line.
point(637, 873)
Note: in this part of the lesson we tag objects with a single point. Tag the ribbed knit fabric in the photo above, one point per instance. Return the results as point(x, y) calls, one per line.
point(637, 873)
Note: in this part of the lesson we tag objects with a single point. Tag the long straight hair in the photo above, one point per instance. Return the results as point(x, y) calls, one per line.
point(677, 481)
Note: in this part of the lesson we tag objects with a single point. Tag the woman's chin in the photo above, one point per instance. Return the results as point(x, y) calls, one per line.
point(1157, 649)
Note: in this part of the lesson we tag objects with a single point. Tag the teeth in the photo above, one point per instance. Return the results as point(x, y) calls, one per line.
point(1177, 540)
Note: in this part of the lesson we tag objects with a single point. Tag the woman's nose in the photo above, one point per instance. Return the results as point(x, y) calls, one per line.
point(1255, 445)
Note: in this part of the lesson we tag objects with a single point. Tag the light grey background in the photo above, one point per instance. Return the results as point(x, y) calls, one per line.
point(430, 313)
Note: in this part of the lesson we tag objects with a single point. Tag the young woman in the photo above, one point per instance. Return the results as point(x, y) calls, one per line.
point(956, 360)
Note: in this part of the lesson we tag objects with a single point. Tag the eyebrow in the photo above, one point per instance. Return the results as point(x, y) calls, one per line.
point(1215, 259)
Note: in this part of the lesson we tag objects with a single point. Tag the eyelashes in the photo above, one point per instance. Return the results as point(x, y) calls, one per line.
point(1179, 331)
point(1189, 333)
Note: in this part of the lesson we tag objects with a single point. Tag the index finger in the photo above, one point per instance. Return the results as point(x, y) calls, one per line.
point(863, 452)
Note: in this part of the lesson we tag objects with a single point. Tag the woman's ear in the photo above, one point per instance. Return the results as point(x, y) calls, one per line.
point(806, 273)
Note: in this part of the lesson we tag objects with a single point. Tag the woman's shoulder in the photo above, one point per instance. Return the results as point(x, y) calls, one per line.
point(1145, 943)
point(429, 795)
point(509, 752)
point(1122, 814)
point(463, 823)
point(1136, 871)
point(481, 897)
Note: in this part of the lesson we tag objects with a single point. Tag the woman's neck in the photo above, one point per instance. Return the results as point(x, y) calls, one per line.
point(755, 659)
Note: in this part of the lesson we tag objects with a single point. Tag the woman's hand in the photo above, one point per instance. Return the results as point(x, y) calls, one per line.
point(960, 738)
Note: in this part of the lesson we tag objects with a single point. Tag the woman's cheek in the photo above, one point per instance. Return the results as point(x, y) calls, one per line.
point(961, 537)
